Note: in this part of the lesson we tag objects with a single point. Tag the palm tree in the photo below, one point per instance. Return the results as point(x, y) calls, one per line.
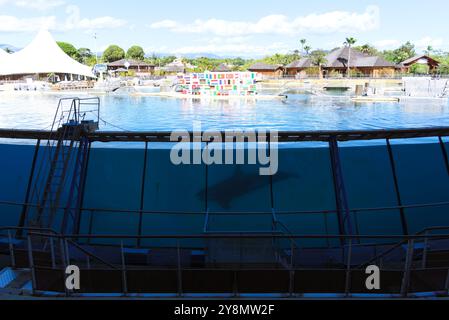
point(349, 43)
point(319, 59)
point(429, 50)
point(303, 43)
point(307, 49)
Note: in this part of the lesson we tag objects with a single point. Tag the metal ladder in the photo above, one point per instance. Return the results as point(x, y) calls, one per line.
point(64, 166)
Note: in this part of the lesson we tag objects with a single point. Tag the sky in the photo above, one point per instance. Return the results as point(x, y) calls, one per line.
point(247, 28)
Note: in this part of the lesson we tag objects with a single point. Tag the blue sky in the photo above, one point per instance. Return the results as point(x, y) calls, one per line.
point(231, 27)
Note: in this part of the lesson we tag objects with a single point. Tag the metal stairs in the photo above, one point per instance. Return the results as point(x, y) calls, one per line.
point(57, 188)
point(14, 281)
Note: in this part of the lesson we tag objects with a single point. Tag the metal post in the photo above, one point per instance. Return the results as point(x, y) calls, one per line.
point(142, 193)
point(407, 267)
point(64, 265)
point(63, 256)
point(11, 250)
point(31, 265)
point(397, 189)
point(447, 283)
point(235, 286)
point(445, 155)
point(179, 269)
point(348, 269)
point(292, 252)
point(343, 211)
point(23, 216)
point(125, 284)
point(67, 252)
point(292, 271)
point(52, 252)
point(425, 250)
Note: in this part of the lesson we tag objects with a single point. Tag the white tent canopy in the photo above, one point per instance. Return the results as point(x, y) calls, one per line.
point(42, 55)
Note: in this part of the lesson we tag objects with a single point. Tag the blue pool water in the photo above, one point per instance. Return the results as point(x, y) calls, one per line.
point(298, 112)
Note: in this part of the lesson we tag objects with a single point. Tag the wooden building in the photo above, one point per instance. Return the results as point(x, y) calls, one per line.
point(264, 70)
point(140, 67)
point(298, 67)
point(337, 64)
point(423, 60)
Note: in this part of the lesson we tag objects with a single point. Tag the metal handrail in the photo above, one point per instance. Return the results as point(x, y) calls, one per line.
point(398, 245)
point(282, 136)
point(51, 234)
point(237, 235)
point(417, 206)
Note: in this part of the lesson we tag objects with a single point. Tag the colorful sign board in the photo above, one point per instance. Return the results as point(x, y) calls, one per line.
point(218, 84)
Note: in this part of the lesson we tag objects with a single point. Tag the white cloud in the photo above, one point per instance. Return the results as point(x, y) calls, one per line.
point(423, 43)
point(387, 43)
point(14, 24)
point(330, 22)
point(40, 5)
point(74, 21)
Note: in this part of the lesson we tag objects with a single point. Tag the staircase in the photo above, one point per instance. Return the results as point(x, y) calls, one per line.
point(14, 281)
point(57, 188)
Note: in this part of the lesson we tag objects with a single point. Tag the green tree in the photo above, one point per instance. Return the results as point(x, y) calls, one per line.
point(69, 50)
point(85, 55)
point(307, 50)
point(318, 58)
point(349, 43)
point(113, 53)
point(136, 52)
point(303, 44)
point(368, 49)
point(404, 52)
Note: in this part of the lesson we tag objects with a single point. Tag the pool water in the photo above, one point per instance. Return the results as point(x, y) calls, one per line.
point(299, 112)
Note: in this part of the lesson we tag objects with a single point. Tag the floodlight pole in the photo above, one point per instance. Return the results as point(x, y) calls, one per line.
point(96, 47)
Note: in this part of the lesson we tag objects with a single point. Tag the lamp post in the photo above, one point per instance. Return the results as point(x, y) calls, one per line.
point(96, 47)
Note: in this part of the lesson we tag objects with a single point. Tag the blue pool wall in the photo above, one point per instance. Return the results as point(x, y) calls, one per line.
point(304, 183)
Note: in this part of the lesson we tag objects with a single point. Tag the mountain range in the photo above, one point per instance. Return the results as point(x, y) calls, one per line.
point(159, 54)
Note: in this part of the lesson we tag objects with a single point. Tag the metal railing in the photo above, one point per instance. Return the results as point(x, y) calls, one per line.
point(407, 263)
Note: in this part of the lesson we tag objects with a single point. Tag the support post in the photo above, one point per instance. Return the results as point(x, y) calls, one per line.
point(344, 214)
point(67, 252)
point(23, 216)
point(52, 252)
point(80, 203)
point(348, 269)
point(31, 265)
point(445, 155)
point(64, 265)
point(397, 189)
point(425, 250)
point(447, 283)
point(142, 194)
point(125, 283)
point(11, 250)
point(292, 269)
point(407, 269)
point(179, 268)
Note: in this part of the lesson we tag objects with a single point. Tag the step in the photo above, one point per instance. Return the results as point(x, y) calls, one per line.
point(23, 277)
